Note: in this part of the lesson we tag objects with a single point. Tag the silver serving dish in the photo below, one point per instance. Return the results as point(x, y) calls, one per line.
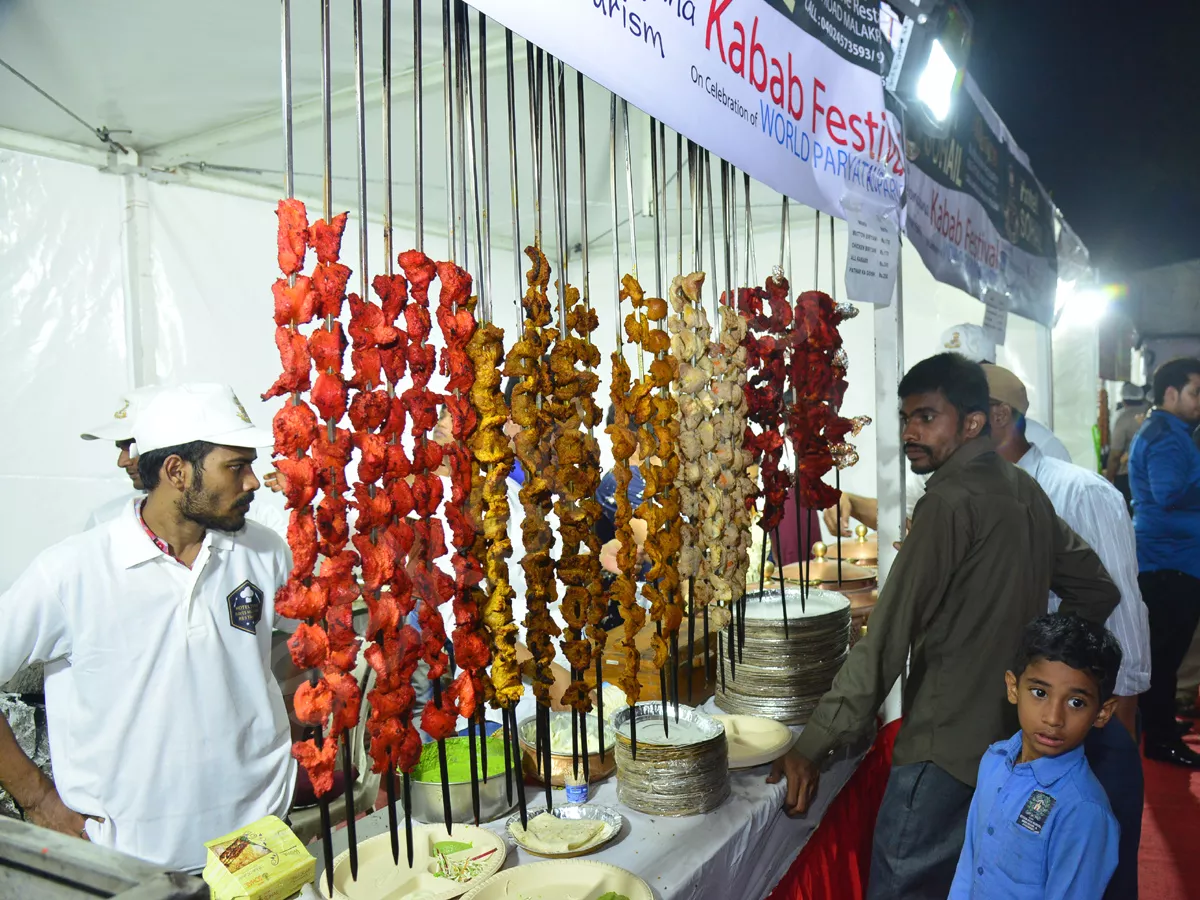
point(783, 675)
point(613, 822)
point(493, 796)
point(682, 771)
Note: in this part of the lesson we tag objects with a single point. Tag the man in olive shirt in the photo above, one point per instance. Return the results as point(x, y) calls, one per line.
point(983, 554)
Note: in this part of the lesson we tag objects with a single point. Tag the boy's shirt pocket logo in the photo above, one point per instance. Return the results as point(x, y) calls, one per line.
point(1037, 810)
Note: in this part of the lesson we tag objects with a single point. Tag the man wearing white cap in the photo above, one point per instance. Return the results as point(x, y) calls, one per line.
point(167, 728)
point(119, 430)
point(965, 340)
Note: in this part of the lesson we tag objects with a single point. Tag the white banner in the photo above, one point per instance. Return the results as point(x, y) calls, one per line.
point(738, 78)
point(976, 213)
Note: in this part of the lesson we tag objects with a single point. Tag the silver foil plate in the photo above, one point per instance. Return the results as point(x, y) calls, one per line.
point(782, 674)
point(682, 773)
point(610, 818)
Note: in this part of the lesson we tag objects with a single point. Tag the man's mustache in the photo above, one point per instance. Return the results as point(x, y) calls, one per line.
point(927, 450)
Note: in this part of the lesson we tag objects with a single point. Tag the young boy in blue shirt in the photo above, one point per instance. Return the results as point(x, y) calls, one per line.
point(1040, 827)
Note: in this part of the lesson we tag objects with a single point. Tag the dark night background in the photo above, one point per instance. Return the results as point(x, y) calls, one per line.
point(1102, 97)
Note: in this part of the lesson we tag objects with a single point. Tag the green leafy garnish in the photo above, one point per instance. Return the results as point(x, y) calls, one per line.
point(451, 847)
point(612, 895)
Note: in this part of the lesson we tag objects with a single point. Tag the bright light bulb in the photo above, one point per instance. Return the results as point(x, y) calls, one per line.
point(935, 87)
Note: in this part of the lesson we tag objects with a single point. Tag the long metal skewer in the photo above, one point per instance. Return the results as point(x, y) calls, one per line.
point(448, 107)
point(469, 192)
point(418, 130)
point(584, 241)
point(557, 138)
point(629, 192)
point(513, 180)
point(616, 215)
point(485, 294)
point(361, 122)
point(327, 196)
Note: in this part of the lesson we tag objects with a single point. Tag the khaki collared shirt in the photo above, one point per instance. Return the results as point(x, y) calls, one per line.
point(985, 550)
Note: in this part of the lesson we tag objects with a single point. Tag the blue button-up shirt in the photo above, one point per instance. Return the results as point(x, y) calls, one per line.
point(1164, 478)
point(1036, 831)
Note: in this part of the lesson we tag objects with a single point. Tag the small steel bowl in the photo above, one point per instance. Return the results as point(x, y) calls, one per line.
point(561, 765)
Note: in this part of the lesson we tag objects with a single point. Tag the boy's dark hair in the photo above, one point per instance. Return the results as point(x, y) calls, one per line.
point(1073, 641)
point(962, 382)
point(150, 464)
point(1174, 373)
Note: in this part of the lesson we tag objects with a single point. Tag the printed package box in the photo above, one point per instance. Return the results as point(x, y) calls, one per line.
point(262, 861)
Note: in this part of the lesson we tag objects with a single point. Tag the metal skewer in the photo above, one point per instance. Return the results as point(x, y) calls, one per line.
point(465, 156)
point(558, 137)
point(601, 639)
point(448, 81)
point(673, 660)
point(512, 167)
point(418, 130)
point(518, 774)
point(484, 205)
point(361, 122)
point(323, 802)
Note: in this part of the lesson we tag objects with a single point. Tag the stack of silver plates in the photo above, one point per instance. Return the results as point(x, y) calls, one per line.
point(780, 677)
point(681, 772)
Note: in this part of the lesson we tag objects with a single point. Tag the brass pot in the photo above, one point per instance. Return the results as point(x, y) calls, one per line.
point(561, 765)
point(862, 550)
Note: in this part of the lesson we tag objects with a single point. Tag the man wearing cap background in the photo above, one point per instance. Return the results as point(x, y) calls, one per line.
point(965, 340)
point(1096, 511)
point(167, 728)
point(1129, 420)
point(119, 430)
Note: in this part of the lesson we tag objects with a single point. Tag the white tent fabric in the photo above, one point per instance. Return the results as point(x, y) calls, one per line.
point(122, 273)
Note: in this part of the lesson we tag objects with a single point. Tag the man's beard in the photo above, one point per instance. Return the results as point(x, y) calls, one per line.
point(199, 506)
point(927, 465)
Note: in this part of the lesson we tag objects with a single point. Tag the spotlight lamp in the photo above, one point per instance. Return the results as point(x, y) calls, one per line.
point(931, 60)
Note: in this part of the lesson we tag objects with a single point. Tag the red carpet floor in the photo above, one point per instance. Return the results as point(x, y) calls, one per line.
point(1169, 861)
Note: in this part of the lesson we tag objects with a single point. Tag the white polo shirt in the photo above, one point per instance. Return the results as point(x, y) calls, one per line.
point(164, 717)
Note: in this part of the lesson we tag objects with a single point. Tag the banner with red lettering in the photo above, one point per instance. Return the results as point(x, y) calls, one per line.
point(741, 79)
point(976, 213)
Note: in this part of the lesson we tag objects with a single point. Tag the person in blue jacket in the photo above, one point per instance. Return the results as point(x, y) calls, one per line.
point(1040, 826)
point(1164, 478)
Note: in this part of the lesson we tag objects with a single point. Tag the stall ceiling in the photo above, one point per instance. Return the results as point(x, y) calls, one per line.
point(201, 89)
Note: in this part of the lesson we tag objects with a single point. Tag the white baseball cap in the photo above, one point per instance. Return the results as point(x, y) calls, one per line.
point(197, 412)
point(969, 341)
point(120, 426)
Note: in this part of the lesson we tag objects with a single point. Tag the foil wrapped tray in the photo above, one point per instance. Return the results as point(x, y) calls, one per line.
point(780, 675)
point(682, 771)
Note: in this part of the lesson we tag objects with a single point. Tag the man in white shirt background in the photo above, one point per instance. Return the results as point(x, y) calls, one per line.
point(1096, 511)
point(167, 728)
point(969, 341)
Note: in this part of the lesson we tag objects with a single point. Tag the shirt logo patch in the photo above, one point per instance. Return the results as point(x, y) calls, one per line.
point(245, 607)
point(1037, 810)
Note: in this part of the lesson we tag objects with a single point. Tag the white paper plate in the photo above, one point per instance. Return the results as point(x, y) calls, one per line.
point(610, 818)
point(754, 741)
point(379, 878)
point(575, 879)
